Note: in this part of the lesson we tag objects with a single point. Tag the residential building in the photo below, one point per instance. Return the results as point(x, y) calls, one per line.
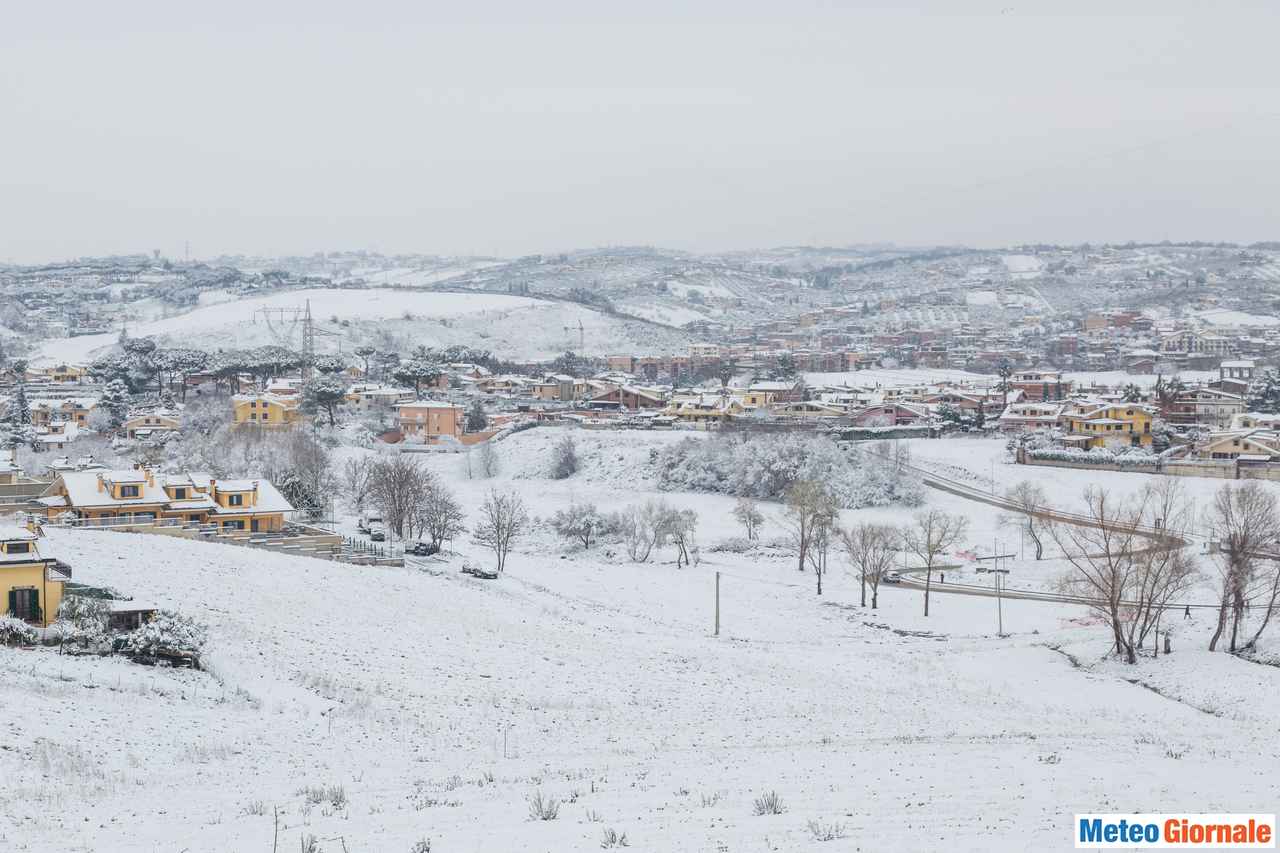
point(31, 584)
point(430, 420)
point(1109, 425)
point(141, 495)
point(265, 410)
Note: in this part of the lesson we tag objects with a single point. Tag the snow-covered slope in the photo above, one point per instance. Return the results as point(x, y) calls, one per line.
point(510, 326)
point(439, 704)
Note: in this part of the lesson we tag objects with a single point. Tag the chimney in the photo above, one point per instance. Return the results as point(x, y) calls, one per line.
point(102, 487)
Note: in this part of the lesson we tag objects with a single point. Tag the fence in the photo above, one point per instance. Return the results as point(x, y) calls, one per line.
point(299, 539)
point(1226, 469)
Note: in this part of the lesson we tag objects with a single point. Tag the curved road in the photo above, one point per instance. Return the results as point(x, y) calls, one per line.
point(911, 578)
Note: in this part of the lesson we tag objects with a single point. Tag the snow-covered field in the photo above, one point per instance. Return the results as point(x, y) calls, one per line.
point(439, 704)
point(511, 326)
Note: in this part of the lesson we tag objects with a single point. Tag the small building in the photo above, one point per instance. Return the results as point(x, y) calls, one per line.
point(144, 425)
point(31, 584)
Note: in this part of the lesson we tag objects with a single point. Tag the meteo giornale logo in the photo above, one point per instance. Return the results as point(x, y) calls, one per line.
point(1186, 831)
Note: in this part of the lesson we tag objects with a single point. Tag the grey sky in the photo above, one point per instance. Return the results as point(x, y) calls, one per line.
point(507, 128)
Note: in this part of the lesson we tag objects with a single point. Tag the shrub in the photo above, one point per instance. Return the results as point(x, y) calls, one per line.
point(541, 808)
point(15, 632)
point(168, 633)
point(767, 804)
point(826, 831)
point(564, 462)
point(611, 838)
point(766, 466)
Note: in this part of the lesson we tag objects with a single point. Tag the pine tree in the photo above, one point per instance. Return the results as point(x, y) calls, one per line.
point(19, 408)
point(115, 399)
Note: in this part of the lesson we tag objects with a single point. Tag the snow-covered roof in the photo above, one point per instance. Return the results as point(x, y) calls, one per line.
point(14, 533)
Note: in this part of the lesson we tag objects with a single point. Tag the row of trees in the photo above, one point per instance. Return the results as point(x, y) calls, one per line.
point(415, 503)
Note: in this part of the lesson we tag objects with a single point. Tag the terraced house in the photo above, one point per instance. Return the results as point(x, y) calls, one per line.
point(143, 496)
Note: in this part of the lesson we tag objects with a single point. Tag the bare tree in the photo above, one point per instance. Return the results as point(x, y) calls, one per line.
point(489, 464)
point(1164, 570)
point(503, 519)
point(398, 484)
point(357, 480)
point(748, 514)
point(438, 515)
point(643, 528)
point(809, 506)
point(825, 529)
point(1101, 553)
point(1246, 524)
point(1027, 499)
point(930, 534)
point(678, 525)
point(870, 549)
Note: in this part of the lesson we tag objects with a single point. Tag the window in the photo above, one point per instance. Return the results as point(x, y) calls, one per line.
point(18, 548)
point(235, 500)
point(128, 491)
point(179, 494)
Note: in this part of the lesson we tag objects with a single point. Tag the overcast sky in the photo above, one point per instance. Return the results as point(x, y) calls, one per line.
point(516, 127)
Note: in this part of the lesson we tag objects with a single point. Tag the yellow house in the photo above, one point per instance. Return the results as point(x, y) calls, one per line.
point(150, 424)
point(1111, 425)
point(703, 408)
point(30, 584)
point(75, 409)
point(265, 410)
point(60, 373)
point(141, 496)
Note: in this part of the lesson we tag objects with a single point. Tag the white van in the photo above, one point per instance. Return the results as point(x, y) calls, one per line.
point(366, 522)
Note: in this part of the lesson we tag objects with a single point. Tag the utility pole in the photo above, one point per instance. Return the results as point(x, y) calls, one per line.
point(308, 341)
point(995, 559)
point(717, 604)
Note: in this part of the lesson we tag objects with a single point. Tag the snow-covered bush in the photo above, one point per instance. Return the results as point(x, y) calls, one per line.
point(1129, 458)
point(168, 633)
point(766, 466)
point(564, 462)
point(81, 619)
point(15, 632)
point(733, 545)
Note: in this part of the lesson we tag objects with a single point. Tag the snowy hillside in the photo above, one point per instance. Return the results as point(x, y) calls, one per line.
point(511, 326)
point(379, 708)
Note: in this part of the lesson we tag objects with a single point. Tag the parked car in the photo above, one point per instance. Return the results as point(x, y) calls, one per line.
point(422, 548)
point(377, 533)
point(366, 522)
point(477, 571)
point(892, 577)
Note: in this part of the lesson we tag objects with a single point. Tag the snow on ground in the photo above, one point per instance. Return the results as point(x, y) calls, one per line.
point(1228, 317)
point(897, 376)
point(511, 326)
point(1023, 266)
point(439, 703)
point(1119, 378)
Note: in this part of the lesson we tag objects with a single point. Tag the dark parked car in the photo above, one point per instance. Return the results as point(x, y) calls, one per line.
point(424, 549)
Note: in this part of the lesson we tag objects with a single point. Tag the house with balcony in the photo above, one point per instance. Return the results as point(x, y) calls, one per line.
point(143, 496)
point(1111, 425)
